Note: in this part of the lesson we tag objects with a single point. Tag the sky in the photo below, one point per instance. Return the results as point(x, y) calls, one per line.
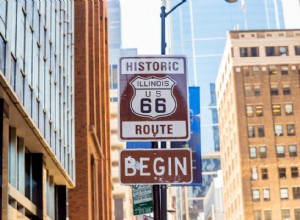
point(141, 25)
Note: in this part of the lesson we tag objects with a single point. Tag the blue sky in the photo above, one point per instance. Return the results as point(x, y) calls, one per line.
point(141, 25)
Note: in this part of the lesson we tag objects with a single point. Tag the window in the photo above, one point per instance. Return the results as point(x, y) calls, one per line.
point(257, 215)
point(290, 129)
point(270, 51)
point(13, 72)
point(255, 195)
point(297, 50)
point(264, 173)
point(280, 150)
point(286, 89)
point(259, 110)
point(244, 52)
point(253, 152)
point(278, 130)
point(274, 90)
point(249, 111)
point(251, 51)
point(296, 192)
point(272, 70)
point(255, 70)
point(276, 109)
point(293, 150)
point(266, 193)
point(257, 91)
point(262, 152)
point(261, 130)
point(251, 131)
point(283, 51)
point(254, 175)
point(284, 70)
point(285, 214)
point(2, 54)
point(294, 172)
point(254, 51)
point(268, 214)
point(288, 109)
point(114, 76)
point(284, 194)
point(297, 214)
point(214, 114)
point(248, 91)
point(282, 173)
point(246, 71)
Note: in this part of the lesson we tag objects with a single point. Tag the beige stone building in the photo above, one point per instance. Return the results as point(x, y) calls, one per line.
point(121, 194)
point(259, 115)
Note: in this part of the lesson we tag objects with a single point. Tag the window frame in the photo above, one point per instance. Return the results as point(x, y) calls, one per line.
point(266, 194)
point(280, 151)
point(259, 111)
point(274, 90)
point(260, 130)
point(278, 130)
point(251, 153)
point(251, 131)
point(282, 172)
point(293, 153)
point(287, 112)
point(294, 172)
point(255, 195)
point(285, 214)
point(263, 154)
point(284, 193)
point(286, 90)
point(297, 50)
point(249, 111)
point(290, 130)
point(276, 109)
point(264, 173)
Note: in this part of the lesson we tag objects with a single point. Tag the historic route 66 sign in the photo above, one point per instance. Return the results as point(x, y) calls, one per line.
point(153, 98)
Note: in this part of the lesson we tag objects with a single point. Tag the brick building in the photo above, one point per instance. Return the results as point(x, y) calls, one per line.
point(258, 90)
point(92, 197)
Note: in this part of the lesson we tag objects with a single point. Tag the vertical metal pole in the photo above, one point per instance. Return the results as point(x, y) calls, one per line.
point(156, 194)
point(163, 188)
point(163, 30)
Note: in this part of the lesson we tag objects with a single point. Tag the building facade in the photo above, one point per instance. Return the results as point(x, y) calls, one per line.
point(36, 108)
point(258, 91)
point(92, 197)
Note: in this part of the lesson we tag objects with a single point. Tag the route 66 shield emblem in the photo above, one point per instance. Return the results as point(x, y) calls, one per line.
point(153, 96)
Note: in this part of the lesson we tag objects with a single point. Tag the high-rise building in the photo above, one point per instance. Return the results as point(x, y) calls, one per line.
point(198, 30)
point(92, 196)
point(258, 92)
point(37, 149)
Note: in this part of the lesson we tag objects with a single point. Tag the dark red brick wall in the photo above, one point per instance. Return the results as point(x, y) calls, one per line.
point(91, 114)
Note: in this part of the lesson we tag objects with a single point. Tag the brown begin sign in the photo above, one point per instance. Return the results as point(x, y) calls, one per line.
point(153, 98)
point(156, 166)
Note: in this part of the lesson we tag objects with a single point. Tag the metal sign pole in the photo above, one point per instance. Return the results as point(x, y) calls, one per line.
point(163, 15)
point(156, 194)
